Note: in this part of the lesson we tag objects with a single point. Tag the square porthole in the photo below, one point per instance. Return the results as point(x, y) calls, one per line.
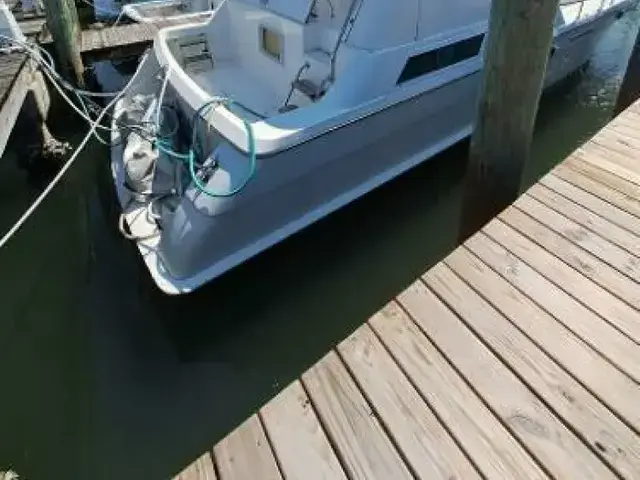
point(271, 43)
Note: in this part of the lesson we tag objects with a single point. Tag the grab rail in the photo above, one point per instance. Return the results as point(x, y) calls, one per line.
point(603, 4)
point(349, 20)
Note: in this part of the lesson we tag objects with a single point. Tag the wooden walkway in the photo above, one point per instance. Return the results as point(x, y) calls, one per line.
point(518, 356)
point(116, 42)
point(113, 42)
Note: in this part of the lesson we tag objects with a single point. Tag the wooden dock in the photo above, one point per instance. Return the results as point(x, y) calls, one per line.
point(18, 77)
point(517, 356)
point(119, 41)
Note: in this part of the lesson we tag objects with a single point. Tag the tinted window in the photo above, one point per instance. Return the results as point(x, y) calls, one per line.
point(419, 65)
point(428, 62)
point(271, 43)
point(468, 48)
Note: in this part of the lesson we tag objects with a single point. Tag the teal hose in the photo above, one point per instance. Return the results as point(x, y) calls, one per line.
point(191, 160)
point(163, 142)
point(164, 147)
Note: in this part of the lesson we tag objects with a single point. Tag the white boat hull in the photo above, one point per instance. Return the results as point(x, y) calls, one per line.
point(204, 237)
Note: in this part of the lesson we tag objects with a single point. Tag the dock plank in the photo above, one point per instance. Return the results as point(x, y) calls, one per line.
point(623, 137)
point(617, 148)
point(201, 469)
point(9, 68)
point(625, 126)
point(355, 431)
point(592, 202)
point(628, 189)
point(609, 149)
point(594, 222)
point(586, 263)
point(425, 443)
point(613, 387)
point(608, 160)
point(602, 248)
point(554, 445)
point(610, 308)
point(117, 36)
point(629, 115)
point(245, 454)
point(302, 448)
point(586, 325)
point(32, 27)
point(118, 41)
point(607, 435)
point(485, 440)
point(15, 78)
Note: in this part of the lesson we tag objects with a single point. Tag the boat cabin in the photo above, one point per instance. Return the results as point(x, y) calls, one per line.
point(276, 58)
point(273, 56)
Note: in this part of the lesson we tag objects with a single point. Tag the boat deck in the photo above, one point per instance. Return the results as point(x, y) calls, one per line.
point(515, 357)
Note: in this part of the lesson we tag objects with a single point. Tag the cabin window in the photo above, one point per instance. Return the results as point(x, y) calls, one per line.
point(446, 56)
point(271, 43)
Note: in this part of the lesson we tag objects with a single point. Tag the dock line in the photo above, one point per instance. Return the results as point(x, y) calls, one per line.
point(94, 125)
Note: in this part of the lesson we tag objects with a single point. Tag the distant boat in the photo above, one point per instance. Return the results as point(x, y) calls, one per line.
point(241, 131)
point(158, 10)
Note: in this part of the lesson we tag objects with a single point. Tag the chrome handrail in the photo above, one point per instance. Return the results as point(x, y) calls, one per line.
point(349, 20)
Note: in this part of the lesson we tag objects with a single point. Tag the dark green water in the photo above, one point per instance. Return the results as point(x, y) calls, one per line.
point(103, 377)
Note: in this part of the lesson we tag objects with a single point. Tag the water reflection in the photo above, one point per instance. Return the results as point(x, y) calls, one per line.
point(104, 377)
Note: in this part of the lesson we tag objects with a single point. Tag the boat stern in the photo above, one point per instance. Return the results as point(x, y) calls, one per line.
point(179, 182)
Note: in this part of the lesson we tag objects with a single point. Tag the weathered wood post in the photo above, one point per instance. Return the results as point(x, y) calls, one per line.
point(62, 22)
point(515, 60)
point(630, 87)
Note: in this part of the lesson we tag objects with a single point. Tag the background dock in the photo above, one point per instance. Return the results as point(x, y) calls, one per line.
point(116, 41)
point(515, 357)
point(18, 74)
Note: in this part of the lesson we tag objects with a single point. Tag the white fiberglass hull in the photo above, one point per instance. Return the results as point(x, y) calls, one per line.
point(202, 237)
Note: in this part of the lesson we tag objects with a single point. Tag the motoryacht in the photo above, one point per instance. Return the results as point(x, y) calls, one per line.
point(240, 131)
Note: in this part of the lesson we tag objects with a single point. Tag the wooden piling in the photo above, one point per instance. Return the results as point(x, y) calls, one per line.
point(62, 22)
point(630, 87)
point(516, 53)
